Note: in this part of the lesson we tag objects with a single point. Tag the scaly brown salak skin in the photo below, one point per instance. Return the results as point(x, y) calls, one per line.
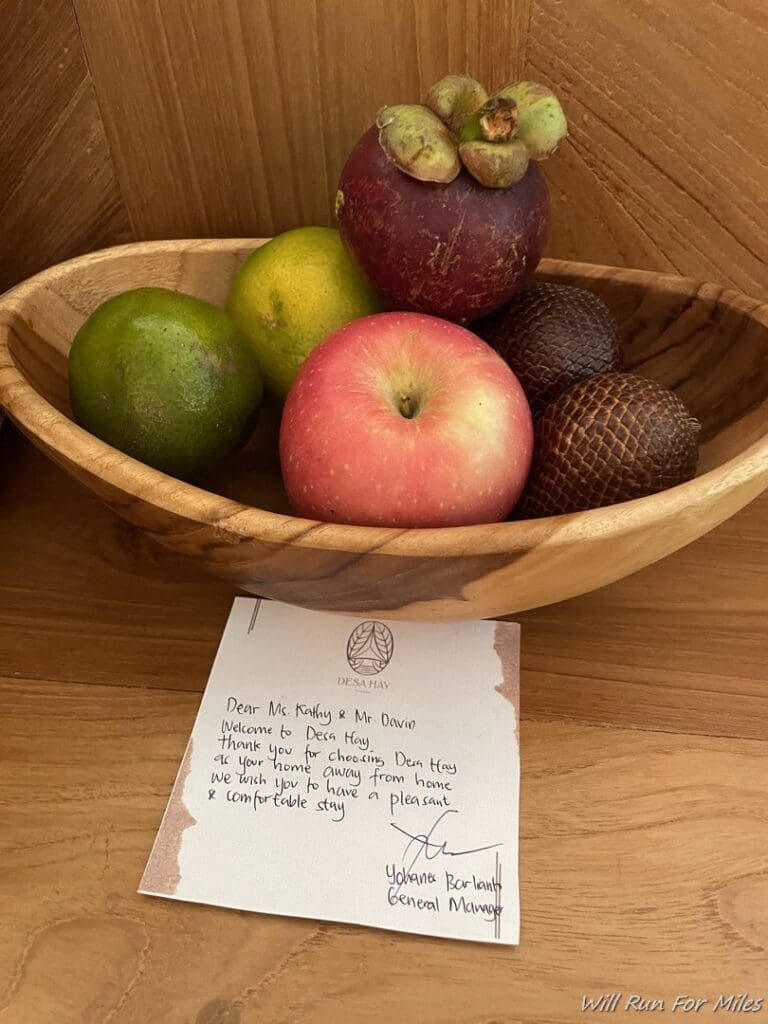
point(611, 438)
point(553, 336)
point(458, 251)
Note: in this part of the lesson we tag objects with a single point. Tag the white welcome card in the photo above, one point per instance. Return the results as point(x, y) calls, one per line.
point(352, 770)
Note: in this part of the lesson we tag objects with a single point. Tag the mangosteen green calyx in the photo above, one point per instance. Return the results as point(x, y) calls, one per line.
point(494, 137)
point(442, 203)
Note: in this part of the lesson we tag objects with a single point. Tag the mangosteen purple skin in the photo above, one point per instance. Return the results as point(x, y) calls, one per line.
point(457, 250)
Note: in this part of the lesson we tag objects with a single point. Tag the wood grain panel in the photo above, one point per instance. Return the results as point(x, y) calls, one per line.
point(682, 642)
point(379, 67)
point(58, 195)
point(398, 48)
point(496, 33)
point(228, 117)
point(666, 166)
point(238, 117)
point(217, 128)
point(642, 869)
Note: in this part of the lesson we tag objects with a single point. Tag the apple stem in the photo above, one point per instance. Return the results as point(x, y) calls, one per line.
point(408, 406)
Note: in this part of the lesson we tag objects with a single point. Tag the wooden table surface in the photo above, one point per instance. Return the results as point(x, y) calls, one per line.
point(644, 816)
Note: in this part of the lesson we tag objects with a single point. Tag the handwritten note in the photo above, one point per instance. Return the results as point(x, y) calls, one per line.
point(352, 770)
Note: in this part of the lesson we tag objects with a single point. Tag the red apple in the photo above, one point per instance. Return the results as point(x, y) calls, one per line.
point(404, 419)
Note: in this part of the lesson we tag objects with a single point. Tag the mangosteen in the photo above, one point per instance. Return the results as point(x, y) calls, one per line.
point(443, 205)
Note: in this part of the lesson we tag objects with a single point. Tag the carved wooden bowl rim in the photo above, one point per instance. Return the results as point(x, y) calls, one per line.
point(55, 431)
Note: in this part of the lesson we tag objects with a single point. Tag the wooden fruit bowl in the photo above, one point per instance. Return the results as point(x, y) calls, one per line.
point(709, 344)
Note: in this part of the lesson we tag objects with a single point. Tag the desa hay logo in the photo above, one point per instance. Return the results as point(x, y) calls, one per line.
point(370, 647)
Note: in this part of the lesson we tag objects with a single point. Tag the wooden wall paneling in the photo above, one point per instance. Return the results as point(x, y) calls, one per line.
point(368, 59)
point(496, 36)
point(182, 112)
point(35, 89)
point(58, 194)
point(667, 164)
point(228, 117)
point(233, 117)
point(380, 52)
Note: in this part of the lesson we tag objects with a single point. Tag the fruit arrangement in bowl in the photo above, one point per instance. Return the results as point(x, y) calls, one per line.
point(445, 209)
point(412, 415)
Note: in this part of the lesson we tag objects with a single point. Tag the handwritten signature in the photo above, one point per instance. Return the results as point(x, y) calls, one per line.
point(429, 848)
